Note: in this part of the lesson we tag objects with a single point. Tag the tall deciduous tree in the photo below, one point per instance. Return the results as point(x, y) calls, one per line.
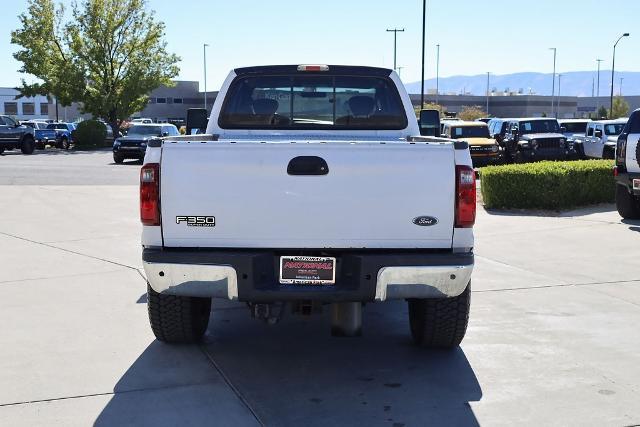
point(620, 108)
point(108, 57)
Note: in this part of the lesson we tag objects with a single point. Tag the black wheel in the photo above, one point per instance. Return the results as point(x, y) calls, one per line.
point(1, 150)
point(440, 322)
point(118, 158)
point(627, 204)
point(64, 144)
point(28, 145)
point(518, 158)
point(176, 319)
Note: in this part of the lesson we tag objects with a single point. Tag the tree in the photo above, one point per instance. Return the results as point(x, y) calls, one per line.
point(620, 108)
point(108, 57)
point(471, 113)
point(602, 113)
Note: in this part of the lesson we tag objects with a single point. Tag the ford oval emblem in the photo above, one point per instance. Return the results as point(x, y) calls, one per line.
point(425, 221)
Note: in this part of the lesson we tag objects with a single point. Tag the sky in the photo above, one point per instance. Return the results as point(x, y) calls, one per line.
point(499, 36)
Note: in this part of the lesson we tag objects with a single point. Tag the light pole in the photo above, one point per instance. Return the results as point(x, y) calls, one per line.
point(437, 72)
point(424, 30)
point(621, 79)
point(395, 32)
point(598, 86)
point(553, 80)
point(613, 67)
point(400, 71)
point(204, 49)
point(488, 72)
point(558, 100)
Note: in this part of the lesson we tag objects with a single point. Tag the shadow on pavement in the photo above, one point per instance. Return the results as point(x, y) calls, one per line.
point(173, 386)
point(295, 373)
point(57, 152)
point(602, 208)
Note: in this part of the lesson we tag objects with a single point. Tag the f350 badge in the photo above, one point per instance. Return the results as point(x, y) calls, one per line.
point(425, 221)
point(197, 221)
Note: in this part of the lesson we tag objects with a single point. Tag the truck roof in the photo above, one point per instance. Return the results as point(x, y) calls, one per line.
point(621, 120)
point(332, 69)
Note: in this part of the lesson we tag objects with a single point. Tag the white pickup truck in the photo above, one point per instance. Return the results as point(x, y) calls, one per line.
point(311, 186)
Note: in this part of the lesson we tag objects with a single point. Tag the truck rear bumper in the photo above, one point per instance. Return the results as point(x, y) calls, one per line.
point(252, 276)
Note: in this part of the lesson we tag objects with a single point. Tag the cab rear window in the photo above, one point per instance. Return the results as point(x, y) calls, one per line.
point(312, 102)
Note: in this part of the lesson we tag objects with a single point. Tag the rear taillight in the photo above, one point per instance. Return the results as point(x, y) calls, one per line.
point(621, 151)
point(150, 194)
point(465, 197)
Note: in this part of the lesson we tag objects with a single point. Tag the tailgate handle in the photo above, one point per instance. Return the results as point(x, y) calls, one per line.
point(307, 165)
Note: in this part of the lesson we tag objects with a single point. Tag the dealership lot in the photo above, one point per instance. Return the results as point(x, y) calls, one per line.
point(553, 337)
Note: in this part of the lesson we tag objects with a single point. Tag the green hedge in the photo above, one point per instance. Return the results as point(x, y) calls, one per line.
point(548, 185)
point(90, 134)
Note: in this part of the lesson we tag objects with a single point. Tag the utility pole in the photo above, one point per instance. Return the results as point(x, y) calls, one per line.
point(621, 79)
point(204, 49)
point(487, 93)
point(598, 85)
point(553, 80)
point(400, 71)
point(424, 30)
point(593, 87)
point(613, 67)
point(437, 73)
point(395, 32)
point(558, 99)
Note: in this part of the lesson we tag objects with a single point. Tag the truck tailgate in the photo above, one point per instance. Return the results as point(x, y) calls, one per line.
point(368, 199)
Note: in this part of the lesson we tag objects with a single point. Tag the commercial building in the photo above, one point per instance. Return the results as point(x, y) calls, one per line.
point(170, 104)
point(23, 108)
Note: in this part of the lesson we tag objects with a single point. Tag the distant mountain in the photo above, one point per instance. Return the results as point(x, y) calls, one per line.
point(573, 83)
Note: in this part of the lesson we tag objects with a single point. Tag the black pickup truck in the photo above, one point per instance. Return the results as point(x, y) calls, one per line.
point(14, 136)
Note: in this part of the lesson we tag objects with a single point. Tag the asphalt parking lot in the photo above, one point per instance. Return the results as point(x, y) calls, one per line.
point(553, 338)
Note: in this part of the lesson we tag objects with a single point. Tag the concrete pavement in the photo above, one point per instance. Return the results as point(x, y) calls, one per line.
point(553, 338)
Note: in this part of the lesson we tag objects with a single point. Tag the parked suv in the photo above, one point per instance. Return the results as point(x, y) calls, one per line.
point(535, 139)
point(498, 129)
point(601, 138)
point(627, 169)
point(573, 130)
point(484, 149)
point(134, 144)
point(14, 135)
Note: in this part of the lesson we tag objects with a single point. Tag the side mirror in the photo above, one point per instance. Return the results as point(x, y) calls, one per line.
point(196, 120)
point(563, 129)
point(429, 123)
point(598, 133)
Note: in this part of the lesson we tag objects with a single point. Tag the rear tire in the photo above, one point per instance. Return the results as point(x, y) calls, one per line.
point(28, 145)
point(64, 144)
point(118, 158)
point(177, 319)
point(440, 322)
point(627, 204)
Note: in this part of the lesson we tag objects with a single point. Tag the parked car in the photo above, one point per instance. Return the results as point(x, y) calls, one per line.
point(140, 121)
point(573, 130)
point(531, 139)
point(498, 128)
point(322, 199)
point(484, 149)
point(601, 138)
point(134, 144)
point(42, 135)
point(14, 135)
point(64, 134)
point(627, 169)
